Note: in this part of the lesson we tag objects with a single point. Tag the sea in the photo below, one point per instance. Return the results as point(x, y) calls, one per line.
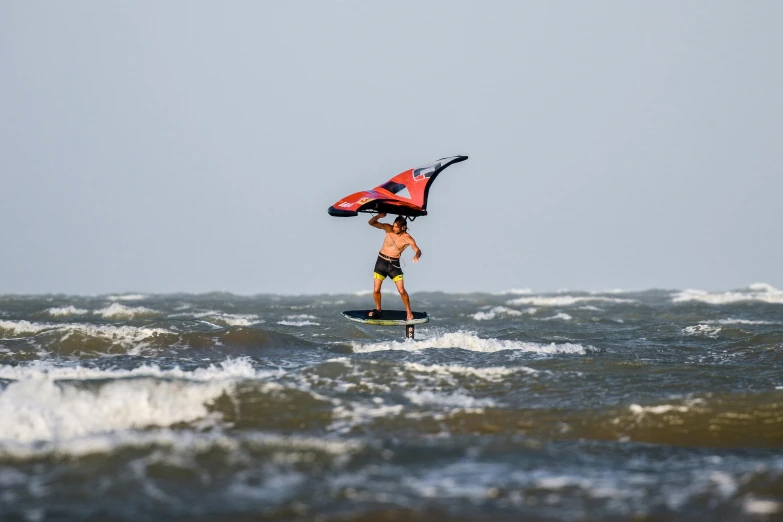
point(653, 405)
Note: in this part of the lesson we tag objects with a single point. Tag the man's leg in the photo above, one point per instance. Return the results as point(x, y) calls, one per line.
point(376, 291)
point(405, 299)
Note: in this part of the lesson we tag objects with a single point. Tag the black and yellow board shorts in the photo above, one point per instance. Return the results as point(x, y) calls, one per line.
point(387, 266)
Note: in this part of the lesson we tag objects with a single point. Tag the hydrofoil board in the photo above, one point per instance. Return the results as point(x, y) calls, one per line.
point(389, 317)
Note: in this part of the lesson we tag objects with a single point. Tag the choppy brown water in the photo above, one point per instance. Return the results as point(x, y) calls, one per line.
point(658, 405)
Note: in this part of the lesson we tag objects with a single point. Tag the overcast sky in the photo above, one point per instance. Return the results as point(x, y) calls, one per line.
point(196, 146)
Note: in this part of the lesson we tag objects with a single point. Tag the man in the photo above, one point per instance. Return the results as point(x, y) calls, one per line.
point(388, 264)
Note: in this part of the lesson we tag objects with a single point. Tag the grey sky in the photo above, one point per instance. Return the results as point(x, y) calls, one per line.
point(195, 146)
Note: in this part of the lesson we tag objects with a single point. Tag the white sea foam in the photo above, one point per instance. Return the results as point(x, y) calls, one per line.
point(493, 373)
point(297, 323)
point(299, 320)
point(122, 335)
point(561, 316)
point(461, 480)
point(118, 311)
point(468, 341)
point(724, 483)
point(240, 368)
point(237, 319)
point(183, 442)
point(346, 417)
point(42, 410)
point(702, 329)
point(456, 400)
point(763, 287)
point(229, 319)
point(126, 336)
point(656, 410)
point(498, 310)
point(762, 507)
point(759, 292)
point(738, 321)
point(126, 297)
point(560, 482)
point(23, 327)
point(515, 291)
point(65, 311)
point(44, 404)
point(693, 404)
point(564, 300)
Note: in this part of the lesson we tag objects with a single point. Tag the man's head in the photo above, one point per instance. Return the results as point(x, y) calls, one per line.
point(400, 225)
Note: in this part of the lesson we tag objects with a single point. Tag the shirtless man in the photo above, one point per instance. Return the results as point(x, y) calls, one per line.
point(388, 264)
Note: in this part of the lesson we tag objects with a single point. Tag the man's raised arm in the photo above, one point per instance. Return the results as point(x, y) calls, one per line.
point(374, 221)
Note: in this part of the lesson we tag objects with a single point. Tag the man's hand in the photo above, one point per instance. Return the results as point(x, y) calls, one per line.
point(374, 221)
point(381, 215)
point(416, 257)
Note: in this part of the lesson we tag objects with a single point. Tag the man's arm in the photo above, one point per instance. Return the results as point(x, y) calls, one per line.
point(416, 249)
point(374, 221)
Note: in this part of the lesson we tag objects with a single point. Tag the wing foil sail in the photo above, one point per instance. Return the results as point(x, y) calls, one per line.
point(405, 194)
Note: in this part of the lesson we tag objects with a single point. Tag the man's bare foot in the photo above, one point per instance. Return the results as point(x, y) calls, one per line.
point(410, 316)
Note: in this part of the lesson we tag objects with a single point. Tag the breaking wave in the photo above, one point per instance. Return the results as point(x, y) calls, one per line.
point(469, 341)
point(758, 292)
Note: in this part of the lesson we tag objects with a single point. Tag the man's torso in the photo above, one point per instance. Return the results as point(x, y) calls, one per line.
point(394, 244)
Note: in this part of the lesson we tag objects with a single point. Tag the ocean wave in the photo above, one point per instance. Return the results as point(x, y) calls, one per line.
point(346, 417)
point(561, 316)
point(47, 402)
point(299, 320)
point(81, 338)
point(456, 400)
point(43, 410)
point(116, 333)
point(469, 341)
point(722, 420)
point(703, 329)
point(118, 311)
point(84, 337)
point(713, 420)
point(737, 321)
point(223, 318)
point(65, 311)
point(102, 339)
point(230, 369)
point(761, 507)
point(492, 374)
point(126, 297)
point(515, 291)
point(11, 328)
point(498, 311)
point(184, 444)
point(758, 292)
point(236, 319)
point(564, 300)
point(661, 409)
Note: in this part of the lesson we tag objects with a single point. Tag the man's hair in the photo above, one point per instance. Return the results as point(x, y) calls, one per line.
point(402, 222)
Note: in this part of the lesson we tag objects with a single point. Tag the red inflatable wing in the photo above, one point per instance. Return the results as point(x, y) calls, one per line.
point(405, 194)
